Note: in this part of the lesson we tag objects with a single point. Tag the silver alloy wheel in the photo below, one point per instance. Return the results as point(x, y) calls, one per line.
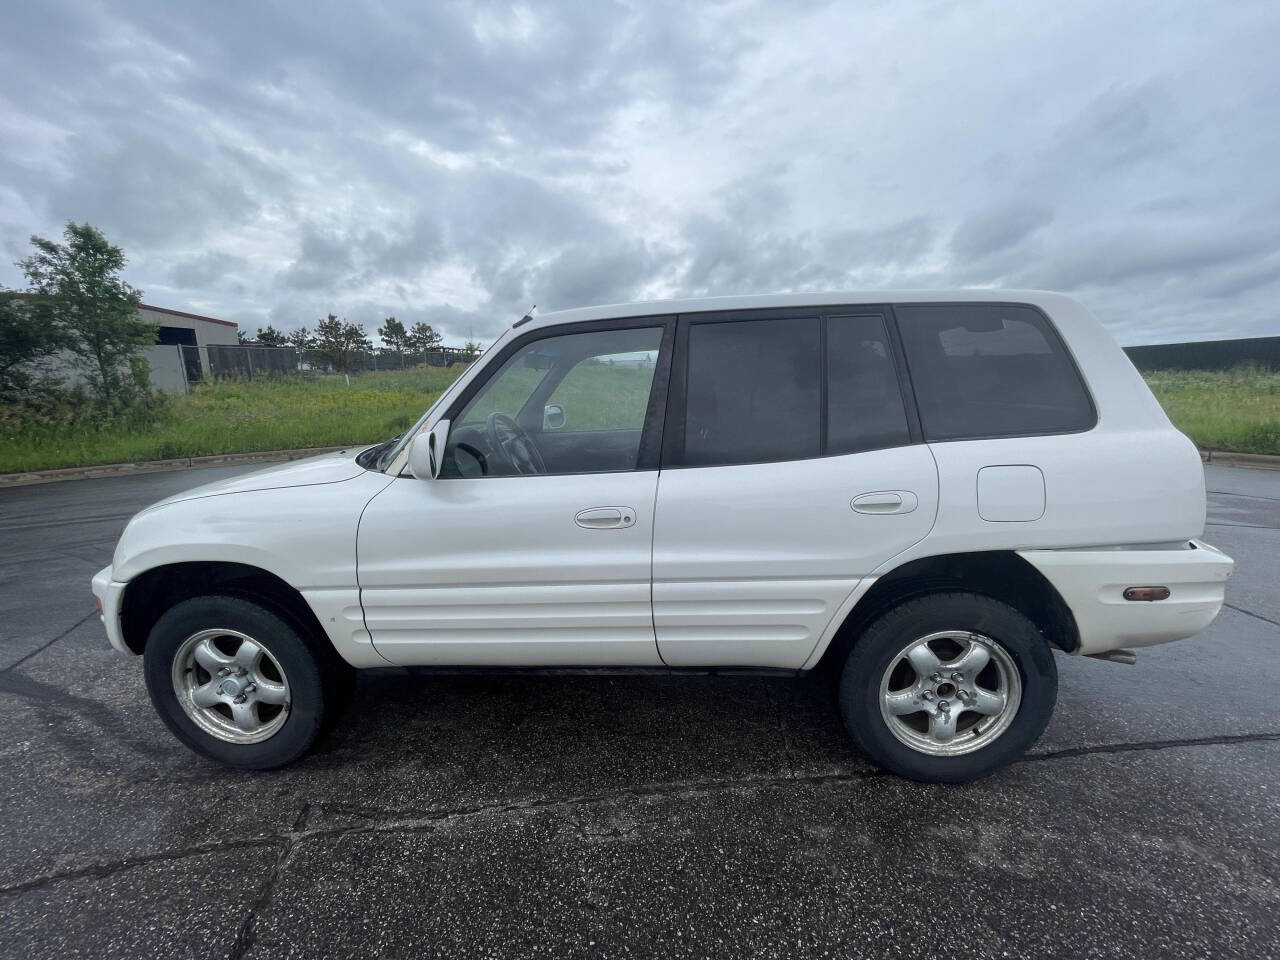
point(231, 686)
point(950, 692)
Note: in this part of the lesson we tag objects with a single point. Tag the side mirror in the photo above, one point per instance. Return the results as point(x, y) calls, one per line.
point(426, 452)
point(552, 417)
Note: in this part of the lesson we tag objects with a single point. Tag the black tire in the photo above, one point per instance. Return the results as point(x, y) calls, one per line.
point(339, 687)
point(306, 680)
point(339, 676)
point(875, 651)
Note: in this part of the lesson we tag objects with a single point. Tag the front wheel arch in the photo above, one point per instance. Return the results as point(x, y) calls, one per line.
point(149, 594)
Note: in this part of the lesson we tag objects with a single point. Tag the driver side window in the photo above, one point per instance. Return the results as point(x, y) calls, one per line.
point(573, 403)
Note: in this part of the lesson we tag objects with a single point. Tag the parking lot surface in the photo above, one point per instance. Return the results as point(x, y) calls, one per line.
point(518, 816)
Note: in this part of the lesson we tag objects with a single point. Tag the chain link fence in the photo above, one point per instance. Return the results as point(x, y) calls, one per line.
point(387, 360)
point(176, 368)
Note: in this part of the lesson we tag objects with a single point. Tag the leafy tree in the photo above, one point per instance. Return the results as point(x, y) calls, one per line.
point(301, 338)
point(26, 340)
point(470, 350)
point(78, 290)
point(394, 335)
point(423, 338)
point(270, 337)
point(339, 342)
point(241, 338)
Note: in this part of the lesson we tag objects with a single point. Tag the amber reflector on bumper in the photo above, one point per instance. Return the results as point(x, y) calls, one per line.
point(1147, 593)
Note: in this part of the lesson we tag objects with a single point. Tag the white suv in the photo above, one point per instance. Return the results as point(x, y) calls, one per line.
point(929, 493)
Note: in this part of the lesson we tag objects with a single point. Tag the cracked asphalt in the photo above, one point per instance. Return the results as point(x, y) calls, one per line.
point(509, 816)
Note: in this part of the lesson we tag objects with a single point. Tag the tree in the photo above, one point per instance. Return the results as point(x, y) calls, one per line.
point(422, 338)
point(26, 340)
point(79, 291)
point(270, 337)
point(470, 351)
point(338, 342)
point(301, 338)
point(241, 338)
point(393, 334)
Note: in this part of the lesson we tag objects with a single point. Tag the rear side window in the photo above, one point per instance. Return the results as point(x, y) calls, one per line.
point(988, 370)
point(759, 391)
point(754, 392)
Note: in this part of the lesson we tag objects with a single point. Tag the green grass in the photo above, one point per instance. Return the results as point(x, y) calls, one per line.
point(1236, 410)
point(242, 417)
point(1232, 410)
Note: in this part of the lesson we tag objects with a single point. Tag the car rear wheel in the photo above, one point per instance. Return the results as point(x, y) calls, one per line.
point(235, 682)
point(948, 687)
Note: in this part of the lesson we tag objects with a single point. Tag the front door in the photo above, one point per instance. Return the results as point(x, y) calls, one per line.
point(533, 548)
point(790, 472)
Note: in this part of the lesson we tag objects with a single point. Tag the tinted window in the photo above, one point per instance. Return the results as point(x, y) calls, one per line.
point(579, 399)
point(864, 402)
point(985, 370)
point(754, 391)
point(610, 391)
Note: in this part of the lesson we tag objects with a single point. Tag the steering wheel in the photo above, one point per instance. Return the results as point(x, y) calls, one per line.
point(509, 437)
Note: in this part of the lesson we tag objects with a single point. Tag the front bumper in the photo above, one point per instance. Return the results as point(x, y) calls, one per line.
point(109, 593)
point(1092, 582)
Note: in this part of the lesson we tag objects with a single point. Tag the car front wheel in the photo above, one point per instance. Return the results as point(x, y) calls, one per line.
point(235, 682)
point(948, 687)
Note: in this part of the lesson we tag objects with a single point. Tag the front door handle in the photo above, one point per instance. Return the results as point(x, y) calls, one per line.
point(885, 501)
point(605, 518)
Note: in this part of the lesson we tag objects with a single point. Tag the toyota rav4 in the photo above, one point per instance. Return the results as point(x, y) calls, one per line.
point(928, 494)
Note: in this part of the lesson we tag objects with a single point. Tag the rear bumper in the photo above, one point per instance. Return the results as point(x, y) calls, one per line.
point(109, 593)
point(1092, 582)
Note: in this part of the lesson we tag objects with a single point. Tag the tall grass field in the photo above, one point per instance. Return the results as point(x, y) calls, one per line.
point(1236, 410)
point(242, 416)
point(1230, 410)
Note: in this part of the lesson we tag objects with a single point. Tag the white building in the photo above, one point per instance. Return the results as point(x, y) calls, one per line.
point(172, 365)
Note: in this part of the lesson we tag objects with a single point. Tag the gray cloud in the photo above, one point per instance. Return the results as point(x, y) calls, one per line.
point(325, 260)
point(1121, 126)
point(205, 269)
point(457, 163)
point(992, 231)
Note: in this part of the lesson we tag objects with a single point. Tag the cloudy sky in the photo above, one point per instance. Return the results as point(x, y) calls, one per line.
point(456, 162)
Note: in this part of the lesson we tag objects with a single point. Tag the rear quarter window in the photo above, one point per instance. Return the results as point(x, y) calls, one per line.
point(991, 370)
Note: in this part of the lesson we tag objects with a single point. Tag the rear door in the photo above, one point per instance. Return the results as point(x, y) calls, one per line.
point(791, 469)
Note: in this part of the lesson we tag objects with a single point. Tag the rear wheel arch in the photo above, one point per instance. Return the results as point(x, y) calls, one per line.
point(999, 574)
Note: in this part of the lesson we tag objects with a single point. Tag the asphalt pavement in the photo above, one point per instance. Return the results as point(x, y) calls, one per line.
point(524, 816)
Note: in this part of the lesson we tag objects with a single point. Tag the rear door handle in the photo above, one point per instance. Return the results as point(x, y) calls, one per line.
point(605, 518)
point(885, 501)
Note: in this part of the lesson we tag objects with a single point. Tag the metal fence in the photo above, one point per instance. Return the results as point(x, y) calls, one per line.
point(176, 368)
point(386, 360)
point(1207, 354)
point(239, 361)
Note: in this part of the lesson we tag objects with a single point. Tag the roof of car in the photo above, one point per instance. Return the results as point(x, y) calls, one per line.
point(767, 301)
